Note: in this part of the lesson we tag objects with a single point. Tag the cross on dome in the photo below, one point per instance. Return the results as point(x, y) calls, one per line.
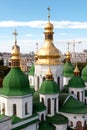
point(49, 13)
point(15, 34)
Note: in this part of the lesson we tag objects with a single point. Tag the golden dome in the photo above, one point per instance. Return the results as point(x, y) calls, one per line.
point(15, 52)
point(15, 59)
point(48, 54)
point(48, 26)
point(68, 56)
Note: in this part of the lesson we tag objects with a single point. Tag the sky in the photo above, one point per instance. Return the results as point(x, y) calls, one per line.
point(29, 17)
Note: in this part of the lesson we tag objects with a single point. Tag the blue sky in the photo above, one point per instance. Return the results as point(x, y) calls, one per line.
point(28, 17)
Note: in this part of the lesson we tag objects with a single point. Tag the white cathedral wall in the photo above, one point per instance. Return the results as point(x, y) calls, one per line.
point(40, 114)
point(66, 80)
point(20, 105)
point(74, 118)
point(41, 70)
point(61, 126)
point(31, 80)
point(51, 97)
point(81, 93)
point(31, 127)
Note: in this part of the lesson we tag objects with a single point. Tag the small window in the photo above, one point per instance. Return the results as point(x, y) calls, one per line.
point(14, 109)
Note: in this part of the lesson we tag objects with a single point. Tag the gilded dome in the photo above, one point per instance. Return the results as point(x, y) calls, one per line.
point(48, 54)
point(15, 52)
point(48, 26)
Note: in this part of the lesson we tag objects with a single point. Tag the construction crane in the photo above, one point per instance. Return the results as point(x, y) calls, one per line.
point(74, 42)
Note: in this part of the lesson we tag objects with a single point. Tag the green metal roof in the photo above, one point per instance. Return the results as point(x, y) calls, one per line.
point(46, 126)
point(32, 70)
point(73, 106)
point(68, 69)
point(15, 83)
point(49, 87)
point(57, 119)
point(76, 82)
point(36, 96)
point(38, 107)
point(84, 73)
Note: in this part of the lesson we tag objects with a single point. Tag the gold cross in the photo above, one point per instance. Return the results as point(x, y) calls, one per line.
point(15, 34)
point(49, 13)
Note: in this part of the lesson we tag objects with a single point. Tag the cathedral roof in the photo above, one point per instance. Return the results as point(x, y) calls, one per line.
point(76, 82)
point(57, 119)
point(38, 107)
point(48, 54)
point(32, 70)
point(73, 106)
point(44, 125)
point(15, 83)
point(68, 69)
point(49, 87)
point(84, 73)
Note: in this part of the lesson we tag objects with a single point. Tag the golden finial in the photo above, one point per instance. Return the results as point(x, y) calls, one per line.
point(15, 34)
point(76, 71)
point(49, 75)
point(49, 13)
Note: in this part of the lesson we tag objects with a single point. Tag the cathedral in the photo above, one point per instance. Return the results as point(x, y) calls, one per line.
point(53, 96)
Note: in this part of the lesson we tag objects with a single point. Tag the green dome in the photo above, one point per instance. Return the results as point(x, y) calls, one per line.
point(32, 70)
point(84, 73)
point(36, 96)
point(49, 87)
point(76, 82)
point(15, 83)
point(68, 69)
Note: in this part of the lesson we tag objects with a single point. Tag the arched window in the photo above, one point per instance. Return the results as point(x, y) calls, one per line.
point(72, 92)
point(58, 81)
point(55, 105)
point(42, 117)
point(26, 108)
point(43, 78)
point(71, 124)
point(78, 95)
point(38, 82)
point(3, 108)
point(42, 100)
point(49, 105)
point(14, 109)
point(79, 124)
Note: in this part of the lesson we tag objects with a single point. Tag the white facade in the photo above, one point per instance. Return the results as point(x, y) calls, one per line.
point(21, 106)
point(51, 102)
point(66, 80)
point(31, 80)
point(78, 92)
point(74, 119)
point(40, 73)
point(61, 126)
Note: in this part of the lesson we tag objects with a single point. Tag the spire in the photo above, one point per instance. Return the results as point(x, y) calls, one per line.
point(15, 59)
point(15, 34)
point(49, 13)
point(76, 71)
point(49, 75)
point(68, 55)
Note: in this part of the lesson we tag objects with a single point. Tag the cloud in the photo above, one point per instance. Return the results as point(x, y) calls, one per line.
point(41, 24)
